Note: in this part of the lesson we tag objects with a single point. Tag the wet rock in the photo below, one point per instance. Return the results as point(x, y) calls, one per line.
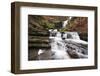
point(76, 49)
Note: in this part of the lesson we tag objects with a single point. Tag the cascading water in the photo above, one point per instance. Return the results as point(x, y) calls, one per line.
point(58, 46)
point(71, 35)
point(64, 23)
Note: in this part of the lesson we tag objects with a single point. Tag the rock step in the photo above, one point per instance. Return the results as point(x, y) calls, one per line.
point(38, 37)
point(32, 54)
point(38, 41)
point(38, 33)
point(38, 45)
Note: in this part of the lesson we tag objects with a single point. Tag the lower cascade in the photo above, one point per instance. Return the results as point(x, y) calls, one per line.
point(58, 47)
point(64, 45)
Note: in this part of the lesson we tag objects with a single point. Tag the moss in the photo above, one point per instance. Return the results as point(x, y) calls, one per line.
point(50, 25)
point(63, 30)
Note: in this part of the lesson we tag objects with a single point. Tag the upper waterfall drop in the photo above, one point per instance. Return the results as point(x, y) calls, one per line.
point(65, 23)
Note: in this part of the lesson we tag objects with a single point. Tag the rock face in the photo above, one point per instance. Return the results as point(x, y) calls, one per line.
point(77, 48)
point(38, 37)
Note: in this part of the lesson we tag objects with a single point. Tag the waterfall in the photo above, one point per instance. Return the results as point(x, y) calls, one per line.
point(58, 47)
point(71, 35)
point(65, 45)
point(64, 23)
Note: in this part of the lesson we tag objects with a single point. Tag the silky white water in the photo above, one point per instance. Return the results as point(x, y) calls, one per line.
point(58, 46)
